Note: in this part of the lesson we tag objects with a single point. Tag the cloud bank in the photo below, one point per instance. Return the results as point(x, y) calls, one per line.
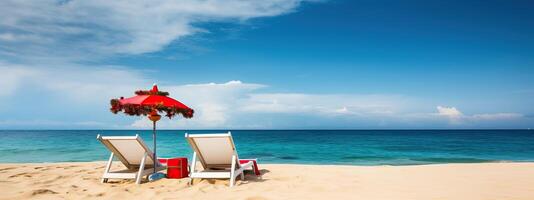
point(54, 97)
point(235, 104)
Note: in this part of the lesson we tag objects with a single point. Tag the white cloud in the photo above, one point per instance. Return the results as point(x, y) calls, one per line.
point(215, 104)
point(342, 110)
point(63, 97)
point(451, 112)
point(497, 116)
point(231, 104)
point(74, 82)
point(457, 117)
point(87, 29)
point(330, 104)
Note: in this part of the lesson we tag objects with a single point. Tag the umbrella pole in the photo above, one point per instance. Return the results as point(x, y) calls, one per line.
point(154, 139)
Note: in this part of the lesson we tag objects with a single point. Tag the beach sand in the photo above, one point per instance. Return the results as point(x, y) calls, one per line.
point(280, 181)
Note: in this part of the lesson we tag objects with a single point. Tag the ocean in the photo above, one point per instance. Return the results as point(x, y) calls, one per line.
point(331, 147)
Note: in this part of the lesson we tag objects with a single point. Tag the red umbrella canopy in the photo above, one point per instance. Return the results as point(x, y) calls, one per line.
point(147, 101)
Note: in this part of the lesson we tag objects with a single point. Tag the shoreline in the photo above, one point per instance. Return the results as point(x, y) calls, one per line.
point(303, 163)
point(80, 180)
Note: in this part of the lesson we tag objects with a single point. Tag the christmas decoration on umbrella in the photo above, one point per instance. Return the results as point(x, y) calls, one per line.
point(150, 103)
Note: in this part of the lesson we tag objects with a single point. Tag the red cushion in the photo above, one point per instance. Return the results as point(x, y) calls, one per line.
point(254, 165)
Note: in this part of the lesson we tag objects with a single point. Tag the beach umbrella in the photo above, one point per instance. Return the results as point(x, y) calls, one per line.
point(150, 103)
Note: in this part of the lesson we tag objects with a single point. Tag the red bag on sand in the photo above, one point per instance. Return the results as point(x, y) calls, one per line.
point(176, 167)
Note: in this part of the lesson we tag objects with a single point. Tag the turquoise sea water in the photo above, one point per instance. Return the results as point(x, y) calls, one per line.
point(348, 147)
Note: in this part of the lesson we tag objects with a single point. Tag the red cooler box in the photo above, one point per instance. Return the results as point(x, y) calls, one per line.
point(176, 167)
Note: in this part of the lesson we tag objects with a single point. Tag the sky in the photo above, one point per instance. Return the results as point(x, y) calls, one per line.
point(270, 64)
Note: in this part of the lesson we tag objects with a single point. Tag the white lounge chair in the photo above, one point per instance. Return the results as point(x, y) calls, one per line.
point(133, 153)
point(218, 156)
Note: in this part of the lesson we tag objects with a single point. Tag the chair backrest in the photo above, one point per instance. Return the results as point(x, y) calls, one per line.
point(129, 150)
point(213, 150)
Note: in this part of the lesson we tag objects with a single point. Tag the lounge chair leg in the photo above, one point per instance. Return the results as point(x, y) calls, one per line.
point(232, 180)
point(108, 167)
point(141, 169)
point(192, 167)
point(232, 171)
point(243, 176)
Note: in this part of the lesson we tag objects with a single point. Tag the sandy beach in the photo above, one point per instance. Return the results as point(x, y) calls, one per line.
point(80, 180)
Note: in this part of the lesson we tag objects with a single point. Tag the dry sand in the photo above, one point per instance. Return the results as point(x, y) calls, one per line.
point(448, 181)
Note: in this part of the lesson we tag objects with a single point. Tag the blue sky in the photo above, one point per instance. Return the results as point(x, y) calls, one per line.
point(270, 64)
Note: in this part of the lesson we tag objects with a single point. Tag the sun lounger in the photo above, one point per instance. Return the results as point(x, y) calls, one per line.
point(133, 153)
point(218, 156)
